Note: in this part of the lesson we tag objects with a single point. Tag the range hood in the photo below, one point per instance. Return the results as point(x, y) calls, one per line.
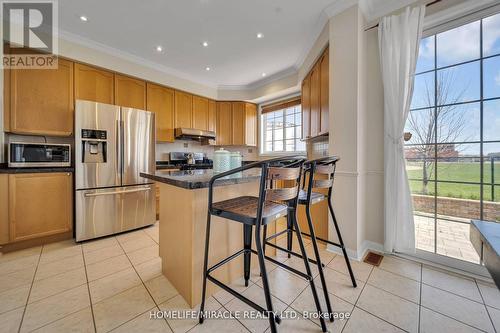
point(194, 134)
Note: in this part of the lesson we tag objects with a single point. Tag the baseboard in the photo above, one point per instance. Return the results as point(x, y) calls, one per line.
point(361, 252)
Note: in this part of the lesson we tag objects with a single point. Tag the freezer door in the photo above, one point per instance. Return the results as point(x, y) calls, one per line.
point(109, 211)
point(138, 145)
point(97, 138)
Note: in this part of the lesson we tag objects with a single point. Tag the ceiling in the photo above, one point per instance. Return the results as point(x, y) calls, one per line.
point(235, 55)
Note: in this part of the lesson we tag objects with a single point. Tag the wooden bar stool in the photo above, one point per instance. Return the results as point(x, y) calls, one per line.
point(271, 204)
point(325, 167)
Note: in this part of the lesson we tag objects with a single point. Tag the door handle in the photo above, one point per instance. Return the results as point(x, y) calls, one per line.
point(117, 192)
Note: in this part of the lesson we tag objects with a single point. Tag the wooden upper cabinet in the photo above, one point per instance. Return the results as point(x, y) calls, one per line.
point(94, 84)
point(324, 92)
point(40, 101)
point(250, 124)
point(40, 204)
point(306, 107)
point(183, 110)
point(224, 123)
point(200, 113)
point(130, 92)
point(212, 115)
point(238, 122)
point(160, 100)
point(315, 100)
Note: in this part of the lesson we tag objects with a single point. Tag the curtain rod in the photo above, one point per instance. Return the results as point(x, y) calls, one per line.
point(427, 5)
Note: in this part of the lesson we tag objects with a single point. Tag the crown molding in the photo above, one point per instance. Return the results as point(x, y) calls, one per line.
point(91, 44)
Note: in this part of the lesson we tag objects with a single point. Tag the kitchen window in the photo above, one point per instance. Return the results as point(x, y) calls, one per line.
point(281, 128)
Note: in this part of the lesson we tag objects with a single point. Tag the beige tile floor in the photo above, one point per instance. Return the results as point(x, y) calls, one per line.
point(113, 284)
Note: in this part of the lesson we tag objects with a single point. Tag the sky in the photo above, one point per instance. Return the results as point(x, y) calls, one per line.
point(462, 82)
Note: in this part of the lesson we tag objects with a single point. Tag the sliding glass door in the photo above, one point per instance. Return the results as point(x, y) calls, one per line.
point(453, 155)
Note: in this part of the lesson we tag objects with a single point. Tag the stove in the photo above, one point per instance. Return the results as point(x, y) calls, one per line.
point(179, 159)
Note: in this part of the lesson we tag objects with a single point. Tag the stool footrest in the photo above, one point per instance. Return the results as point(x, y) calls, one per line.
point(323, 240)
point(228, 259)
point(291, 269)
point(241, 297)
point(276, 235)
point(295, 254)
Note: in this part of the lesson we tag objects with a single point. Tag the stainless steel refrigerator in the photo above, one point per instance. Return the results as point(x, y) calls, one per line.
point(113, 145)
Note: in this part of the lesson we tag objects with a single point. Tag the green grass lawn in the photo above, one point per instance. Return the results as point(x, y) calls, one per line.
point(451, 171)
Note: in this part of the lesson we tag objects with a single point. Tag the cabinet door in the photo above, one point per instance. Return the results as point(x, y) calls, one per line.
point(224, 123)
point(306, 107)
point(183, 109)
point(250, 124)
point(200, 113)
point(324, 92)
point(40, 204)
point(161, 102)
point(315, 100)
point(94, 84)
point(130, 92)
point(4, 208)
point(212, 117)
point(41, 100)
point(238, 121)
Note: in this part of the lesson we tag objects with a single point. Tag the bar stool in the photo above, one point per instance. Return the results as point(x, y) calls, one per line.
point(271, 204)
point(324, 166)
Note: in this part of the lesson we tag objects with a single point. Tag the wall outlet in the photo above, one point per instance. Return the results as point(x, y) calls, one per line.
point(186, 145)
point(250, 150)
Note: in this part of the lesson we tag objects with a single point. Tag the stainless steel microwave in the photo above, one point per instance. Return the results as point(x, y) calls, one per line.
point(27, 155)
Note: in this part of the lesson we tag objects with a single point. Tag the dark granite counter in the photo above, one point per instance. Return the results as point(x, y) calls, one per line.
point(485, 237)
point(5, 169)
point(193, 179)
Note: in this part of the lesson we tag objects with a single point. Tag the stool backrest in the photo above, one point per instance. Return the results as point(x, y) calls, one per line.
point(286, 170)
point(325, 167)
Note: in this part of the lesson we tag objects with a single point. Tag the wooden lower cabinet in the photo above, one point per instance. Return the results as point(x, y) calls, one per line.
point(40, 204)
point(4, 208)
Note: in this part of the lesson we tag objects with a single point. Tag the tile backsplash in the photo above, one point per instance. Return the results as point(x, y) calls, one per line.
point(317, 148)
point(163, 149)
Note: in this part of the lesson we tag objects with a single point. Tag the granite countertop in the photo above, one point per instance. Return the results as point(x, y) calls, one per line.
point(194, 179)
point(5, 169)
point(490, 232)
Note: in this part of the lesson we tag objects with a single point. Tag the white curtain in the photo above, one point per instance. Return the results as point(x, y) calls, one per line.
point(399, 38)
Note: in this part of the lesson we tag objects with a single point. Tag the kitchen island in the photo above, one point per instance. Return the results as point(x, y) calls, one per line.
point(183, 218)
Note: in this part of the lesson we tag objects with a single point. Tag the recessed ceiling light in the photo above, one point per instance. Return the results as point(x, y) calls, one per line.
point(207, 69)
point(84, 18)
point(264, 74)
point(159, 48)
point(260, 35)
point(205, 44)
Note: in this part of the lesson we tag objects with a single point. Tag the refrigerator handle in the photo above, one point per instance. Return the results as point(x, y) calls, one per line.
point(117, 192)
point(119, 150)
